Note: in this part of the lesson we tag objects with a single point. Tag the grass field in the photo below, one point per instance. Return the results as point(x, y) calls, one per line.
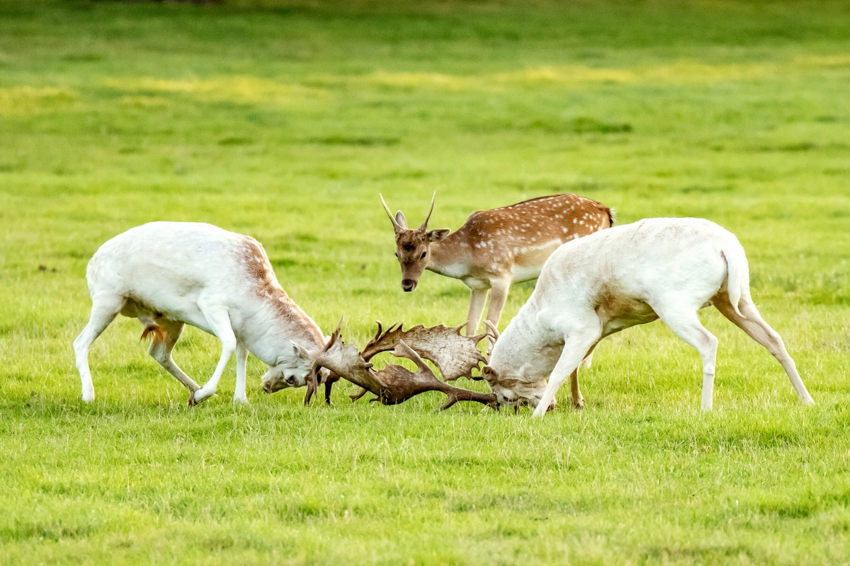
point(284, 120)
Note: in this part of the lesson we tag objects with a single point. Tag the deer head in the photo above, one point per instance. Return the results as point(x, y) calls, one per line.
point(515, 392)
point(413, 247)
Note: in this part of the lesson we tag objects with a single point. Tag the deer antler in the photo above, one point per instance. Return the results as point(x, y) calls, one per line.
point(492, 328)
point(404, 384)
point(394, 384)
point(455, 355)
point(313, 379)
point(427, 218)
point(398, 227)
point(492, 336)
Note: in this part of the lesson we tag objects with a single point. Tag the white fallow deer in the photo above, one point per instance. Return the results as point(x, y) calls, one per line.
point(495, 248)
point(168, 274)
point(665, 268)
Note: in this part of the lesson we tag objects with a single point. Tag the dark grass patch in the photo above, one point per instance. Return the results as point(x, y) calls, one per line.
point(83, 57)
point(707, 189)
point(702, 554)
point(52, 530)
point(361, 141)
point(235, 140)
point(580, 125)
point(284, 262)
point(552, 125)
point(801, 146)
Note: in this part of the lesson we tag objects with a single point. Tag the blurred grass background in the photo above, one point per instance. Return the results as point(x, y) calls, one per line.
point(284, 120)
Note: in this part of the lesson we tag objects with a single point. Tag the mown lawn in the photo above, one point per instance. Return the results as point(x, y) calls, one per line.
point(284, 120)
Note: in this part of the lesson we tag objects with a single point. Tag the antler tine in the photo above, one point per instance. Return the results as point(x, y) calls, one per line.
point(493, 329)
point(402, 350)
point(396, 225)
point(370, 350)
point(427, 218)
point(378, 333)
point(336, 333)
point(313, 379)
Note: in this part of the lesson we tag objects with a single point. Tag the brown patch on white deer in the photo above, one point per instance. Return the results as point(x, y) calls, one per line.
point(259, 269)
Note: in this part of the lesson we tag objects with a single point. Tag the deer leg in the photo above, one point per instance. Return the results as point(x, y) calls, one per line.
point(587, 362)
point(578, 400)
point(219, 322)
point(328, 387)
point(685, 323)
point(103, 312)
point(576, 347)
point(241, 373)
point(476, 306)
point(754, 325)
point(498, 295)
point(160, 350)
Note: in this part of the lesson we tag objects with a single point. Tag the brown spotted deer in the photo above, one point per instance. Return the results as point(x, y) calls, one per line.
point(168, 274)
point(495, 248)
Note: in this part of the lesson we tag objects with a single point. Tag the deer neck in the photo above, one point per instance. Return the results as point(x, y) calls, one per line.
point(451, 257)
point(279, 322)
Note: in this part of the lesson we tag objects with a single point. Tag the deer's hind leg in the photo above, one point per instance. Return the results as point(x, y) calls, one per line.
point(754, 325)
point(103, 311)
point(499, 289)
point(165, 334)
point(683, 320)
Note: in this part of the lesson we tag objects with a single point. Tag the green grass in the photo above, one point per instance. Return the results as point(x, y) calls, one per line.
point(284, 120)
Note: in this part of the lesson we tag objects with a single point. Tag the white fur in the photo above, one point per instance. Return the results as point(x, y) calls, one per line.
point(633, 274)
point(170, 273)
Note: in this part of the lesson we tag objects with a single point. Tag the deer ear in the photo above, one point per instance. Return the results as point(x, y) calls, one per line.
point(437, 235)
point(400, 219)
point(488, 373)
point(300, 351)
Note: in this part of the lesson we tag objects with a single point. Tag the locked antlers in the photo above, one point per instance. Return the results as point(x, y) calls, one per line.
point(395, 384)
point(455, 355)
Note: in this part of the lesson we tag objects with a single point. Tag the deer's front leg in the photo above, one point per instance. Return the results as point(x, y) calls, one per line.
point(241, 373)
point(219, 322)
point(476, 306)
point(576, 346)
point(578, 400)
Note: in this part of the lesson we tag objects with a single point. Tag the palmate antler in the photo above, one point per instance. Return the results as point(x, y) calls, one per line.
point(394, 384)
point(455, 355)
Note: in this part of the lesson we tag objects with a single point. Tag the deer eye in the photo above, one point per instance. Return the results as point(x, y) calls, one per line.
point(423, 255)
point(396, 254)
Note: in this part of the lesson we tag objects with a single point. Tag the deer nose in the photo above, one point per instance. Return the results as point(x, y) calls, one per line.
point(408, 285)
